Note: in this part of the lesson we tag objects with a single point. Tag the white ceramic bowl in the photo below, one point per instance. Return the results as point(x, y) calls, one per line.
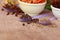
point(32, 9)
point(56, 12)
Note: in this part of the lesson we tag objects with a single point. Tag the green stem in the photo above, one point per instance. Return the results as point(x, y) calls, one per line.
point(48, 5)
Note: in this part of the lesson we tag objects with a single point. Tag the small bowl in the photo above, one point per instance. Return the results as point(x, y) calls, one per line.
point(31, 9)
point(56, 12)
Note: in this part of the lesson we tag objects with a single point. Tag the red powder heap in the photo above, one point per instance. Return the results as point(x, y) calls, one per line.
point(33, 1)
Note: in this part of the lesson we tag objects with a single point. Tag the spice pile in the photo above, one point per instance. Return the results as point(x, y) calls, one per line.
point(33, 1)
point(56, 3)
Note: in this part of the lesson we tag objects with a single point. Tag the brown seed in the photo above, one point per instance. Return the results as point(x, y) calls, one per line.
point(13, 13)
point(23, 24)
point(2, 9)
point(16, 14)
point(8, 13)
point(28, 22)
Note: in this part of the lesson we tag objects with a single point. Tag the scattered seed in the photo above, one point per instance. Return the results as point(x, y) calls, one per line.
point(17, 10)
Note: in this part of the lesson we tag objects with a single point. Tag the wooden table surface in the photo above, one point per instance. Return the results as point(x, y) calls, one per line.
point(12, 29)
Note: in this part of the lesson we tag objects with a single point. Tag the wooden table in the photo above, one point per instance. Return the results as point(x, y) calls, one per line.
point(12, 29)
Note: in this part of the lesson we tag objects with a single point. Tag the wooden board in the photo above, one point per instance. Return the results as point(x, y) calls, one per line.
point(12, 29)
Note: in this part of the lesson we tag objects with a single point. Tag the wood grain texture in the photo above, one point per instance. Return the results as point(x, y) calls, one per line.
point(12, 29)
